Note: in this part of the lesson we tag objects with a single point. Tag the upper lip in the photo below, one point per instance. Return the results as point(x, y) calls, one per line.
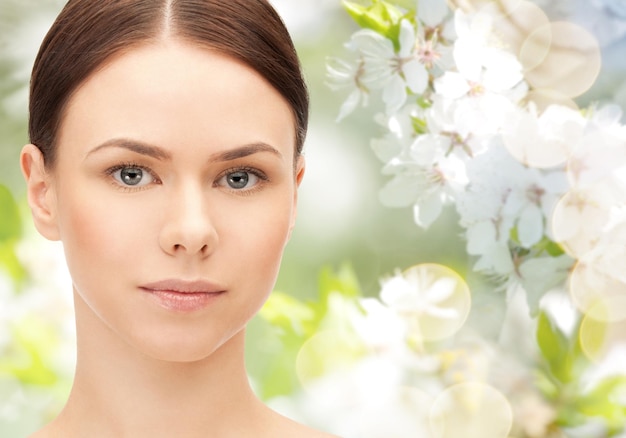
point(183, 286)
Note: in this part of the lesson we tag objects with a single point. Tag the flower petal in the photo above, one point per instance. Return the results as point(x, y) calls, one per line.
point(349, 105)
point(530, 225)
point(480, 236)
point(451, 85)
point(426, 211)
point(401, 191)
point(441, 289)
point(416, 76)
point(394, 94)
point(407, 38)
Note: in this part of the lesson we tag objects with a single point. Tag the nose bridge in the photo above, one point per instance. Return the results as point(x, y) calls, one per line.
point(188, 227)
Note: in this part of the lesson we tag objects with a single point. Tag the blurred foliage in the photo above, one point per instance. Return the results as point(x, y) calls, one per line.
point(10, 233)
point(286, 323)
point(560, 377)
point(28, 357)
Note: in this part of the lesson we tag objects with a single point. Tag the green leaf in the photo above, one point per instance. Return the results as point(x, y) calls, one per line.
point(10, 223)
point(603, 401)
point(546, 245)
point(546, 385)
point(367, 17)
point(381, 16)
point(287, 312)
point(285, 325)
point(344, 282)
point(26, 358)
point(419, 125)
point(554, 249)
point(11, 264)
point(554, 347)
point(271, 353)
point(328, 351)
point(10, 233)
point(423, 102)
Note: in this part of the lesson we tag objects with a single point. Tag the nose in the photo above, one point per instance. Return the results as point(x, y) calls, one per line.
point(188, 228)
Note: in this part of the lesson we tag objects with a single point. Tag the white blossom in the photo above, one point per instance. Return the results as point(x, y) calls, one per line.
point(390, 70)
point(342, 74)
point(414, 294)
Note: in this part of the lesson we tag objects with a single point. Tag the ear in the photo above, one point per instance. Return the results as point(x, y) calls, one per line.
point(40, 191)
point(299, 171)
point(300, 165)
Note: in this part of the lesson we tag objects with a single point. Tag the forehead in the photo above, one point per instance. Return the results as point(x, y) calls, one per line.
point(176, 93)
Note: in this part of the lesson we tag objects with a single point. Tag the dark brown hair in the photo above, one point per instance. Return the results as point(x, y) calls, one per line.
point(87, 33)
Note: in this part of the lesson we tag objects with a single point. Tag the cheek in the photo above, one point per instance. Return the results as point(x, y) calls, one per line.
point(257, 243)
point(267, 230)
point(99, 237)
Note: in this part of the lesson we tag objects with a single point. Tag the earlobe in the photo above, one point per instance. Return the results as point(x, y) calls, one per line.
point(40, 192)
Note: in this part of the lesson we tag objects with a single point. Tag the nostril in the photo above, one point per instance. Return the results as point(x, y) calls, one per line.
point(179, 240)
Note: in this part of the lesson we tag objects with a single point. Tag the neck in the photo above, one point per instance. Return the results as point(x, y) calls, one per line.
point(119, 391)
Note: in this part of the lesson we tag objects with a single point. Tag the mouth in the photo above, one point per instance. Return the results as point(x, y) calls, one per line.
point(183, 296)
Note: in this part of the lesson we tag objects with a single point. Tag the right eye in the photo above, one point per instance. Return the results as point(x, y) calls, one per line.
point(132, 175)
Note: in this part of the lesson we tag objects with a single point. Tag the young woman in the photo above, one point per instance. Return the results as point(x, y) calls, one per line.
point(166, 156)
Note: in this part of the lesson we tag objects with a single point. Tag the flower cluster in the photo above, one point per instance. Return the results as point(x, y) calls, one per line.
point(478, 113)
point(406, 364)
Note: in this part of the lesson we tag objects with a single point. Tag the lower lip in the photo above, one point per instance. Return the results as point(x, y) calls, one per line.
point(183, 301)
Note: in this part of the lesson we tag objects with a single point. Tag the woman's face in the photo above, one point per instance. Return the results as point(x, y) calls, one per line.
point(174, 194)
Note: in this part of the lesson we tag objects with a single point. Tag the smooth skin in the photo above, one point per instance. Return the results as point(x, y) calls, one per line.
point(174, 162)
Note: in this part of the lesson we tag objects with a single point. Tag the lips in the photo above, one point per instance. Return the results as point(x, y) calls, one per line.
point(183, 296)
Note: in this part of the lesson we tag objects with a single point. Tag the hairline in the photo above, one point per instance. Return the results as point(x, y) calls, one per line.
point(164, 36)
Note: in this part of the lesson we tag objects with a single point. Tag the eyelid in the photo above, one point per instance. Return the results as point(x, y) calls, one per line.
point(262, 176)
point(111, 171)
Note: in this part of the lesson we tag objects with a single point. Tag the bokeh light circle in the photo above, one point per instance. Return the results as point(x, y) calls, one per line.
point(514, 21)
point(525, 138)
point(598, 336)
point(440, 290)
point(597, 290)
point(471, 410)
point(405, 416)
point(561, 56)
point(325, 352)
point(577, 222)
point(543, 98)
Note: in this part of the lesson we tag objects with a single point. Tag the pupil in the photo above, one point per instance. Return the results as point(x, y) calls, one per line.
point(131, 175)
point(238, 180)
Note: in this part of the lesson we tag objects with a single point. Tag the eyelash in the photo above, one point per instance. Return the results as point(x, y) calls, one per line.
point(111, 170)
point(256, 172)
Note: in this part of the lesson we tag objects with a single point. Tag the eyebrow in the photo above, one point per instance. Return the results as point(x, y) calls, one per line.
point(244, 151)
point(134, 146)
point(161, 154)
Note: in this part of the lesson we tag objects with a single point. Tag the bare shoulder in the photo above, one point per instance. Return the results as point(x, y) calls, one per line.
point(285, 427)
point(42, 433)
point(301, 431)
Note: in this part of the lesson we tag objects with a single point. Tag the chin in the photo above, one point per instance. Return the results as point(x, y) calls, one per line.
point(189, 349)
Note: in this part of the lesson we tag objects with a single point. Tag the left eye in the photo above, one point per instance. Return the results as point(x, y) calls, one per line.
point(133, 176)
point(240, 179)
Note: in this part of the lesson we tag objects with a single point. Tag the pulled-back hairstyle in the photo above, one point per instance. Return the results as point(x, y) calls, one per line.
point(87, 33)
